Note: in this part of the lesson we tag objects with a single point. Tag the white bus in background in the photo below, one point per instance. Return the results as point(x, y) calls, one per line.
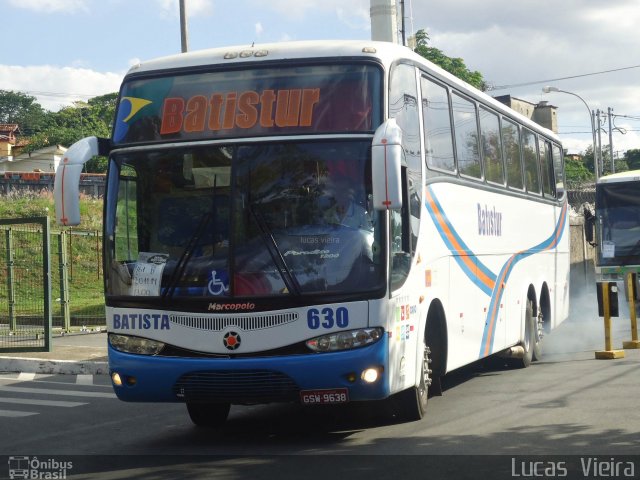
point(319, 222)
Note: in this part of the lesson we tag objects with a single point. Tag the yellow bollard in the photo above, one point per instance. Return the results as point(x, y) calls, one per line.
point(633, 343)
point(608, 353)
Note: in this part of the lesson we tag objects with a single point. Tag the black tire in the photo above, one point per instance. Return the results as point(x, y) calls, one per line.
point(528, 342)
point(411, 404)
point(208, 414)
point(537, 339)
point(536, 345)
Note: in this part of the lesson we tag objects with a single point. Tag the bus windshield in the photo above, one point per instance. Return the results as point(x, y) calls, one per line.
point(617, 208)
point(258, 219)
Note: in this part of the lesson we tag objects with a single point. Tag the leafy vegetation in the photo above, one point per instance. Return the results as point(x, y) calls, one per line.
point(455, 66)
point(43, 128)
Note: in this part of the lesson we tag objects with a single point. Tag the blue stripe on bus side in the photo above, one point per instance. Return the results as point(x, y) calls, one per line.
point(490, 284)
point(461, 252)
point(488, 336)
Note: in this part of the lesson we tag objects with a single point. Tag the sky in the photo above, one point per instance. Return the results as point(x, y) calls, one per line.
point(61, 51)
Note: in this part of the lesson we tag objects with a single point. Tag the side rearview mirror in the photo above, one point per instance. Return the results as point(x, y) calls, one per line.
point(66, 188)
point(386, 166)
point(589, 223)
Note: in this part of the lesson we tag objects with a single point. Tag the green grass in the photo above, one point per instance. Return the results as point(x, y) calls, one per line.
point(84, 249)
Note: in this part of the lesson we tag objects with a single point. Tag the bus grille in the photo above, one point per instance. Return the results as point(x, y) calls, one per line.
point(243, 387)
point(244, 322)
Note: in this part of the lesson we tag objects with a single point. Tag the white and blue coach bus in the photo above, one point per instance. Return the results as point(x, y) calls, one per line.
point(319, 222)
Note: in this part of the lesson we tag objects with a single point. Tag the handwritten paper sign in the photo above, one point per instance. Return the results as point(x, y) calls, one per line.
point(147, 274)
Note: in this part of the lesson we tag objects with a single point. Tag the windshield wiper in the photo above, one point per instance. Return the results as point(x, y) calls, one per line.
point(288, 278)
point(186, 255)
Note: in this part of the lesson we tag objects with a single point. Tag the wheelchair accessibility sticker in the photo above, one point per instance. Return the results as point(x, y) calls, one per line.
point(218, 282)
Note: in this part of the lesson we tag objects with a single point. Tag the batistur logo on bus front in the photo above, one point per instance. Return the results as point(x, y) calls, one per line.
point(284, 108)
point(231, 306)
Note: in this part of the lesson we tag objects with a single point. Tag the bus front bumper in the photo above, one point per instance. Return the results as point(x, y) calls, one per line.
point(251, 380)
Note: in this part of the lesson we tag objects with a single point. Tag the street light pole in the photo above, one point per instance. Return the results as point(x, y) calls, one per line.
point(613, 163)
point(596, 160)
point(184, 36)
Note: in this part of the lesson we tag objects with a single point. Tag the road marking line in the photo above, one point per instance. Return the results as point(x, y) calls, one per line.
point(26, 377)
point(46, 403)
point(83, 379)
point(52, 391)
point(39, 382)
point(14, 413)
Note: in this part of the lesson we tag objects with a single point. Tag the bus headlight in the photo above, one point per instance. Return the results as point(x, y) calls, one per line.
point(345, 340)
point(129, 344)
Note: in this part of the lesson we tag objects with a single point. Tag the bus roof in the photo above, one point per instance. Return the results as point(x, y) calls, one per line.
point(629, 176)
point(384, 52)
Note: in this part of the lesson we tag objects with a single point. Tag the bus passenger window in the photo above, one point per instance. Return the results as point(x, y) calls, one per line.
point(466, 131)
point(511, 145)
point(491, 146)
point(558, 167)
point(438, 137)
point(546, 169)
point(531, 175)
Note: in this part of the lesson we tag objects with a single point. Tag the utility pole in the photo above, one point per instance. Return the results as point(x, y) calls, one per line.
point(613, 163)
point(599, 140)
point(184, 36)
point(402, 23)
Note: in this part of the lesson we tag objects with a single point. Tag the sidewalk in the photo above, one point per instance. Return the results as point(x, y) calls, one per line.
point(73, 354)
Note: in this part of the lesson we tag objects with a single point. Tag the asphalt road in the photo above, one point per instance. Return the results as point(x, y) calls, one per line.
point(567, 404)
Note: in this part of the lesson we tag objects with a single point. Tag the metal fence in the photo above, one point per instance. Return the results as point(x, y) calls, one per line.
point(580, 193)
point(47, 280)
point(77, 285)
point(25, 300)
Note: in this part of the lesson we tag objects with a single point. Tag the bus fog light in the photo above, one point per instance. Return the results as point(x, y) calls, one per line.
point(115, 378)
point(370, 375)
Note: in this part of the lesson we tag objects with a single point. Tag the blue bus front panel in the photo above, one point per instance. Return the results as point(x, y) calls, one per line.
point(250, 380)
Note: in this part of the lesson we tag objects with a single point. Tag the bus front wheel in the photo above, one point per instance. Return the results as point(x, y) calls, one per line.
point(411, 404)
point(208, 414)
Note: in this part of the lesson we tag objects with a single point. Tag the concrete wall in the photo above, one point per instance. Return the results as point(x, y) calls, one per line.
point(582, 259)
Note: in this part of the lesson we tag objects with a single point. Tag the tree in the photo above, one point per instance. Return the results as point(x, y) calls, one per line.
point(621, 163)
point(576, 170)
point(455, 66)
point(82, 119)
point(632, 157)
point(16, 107)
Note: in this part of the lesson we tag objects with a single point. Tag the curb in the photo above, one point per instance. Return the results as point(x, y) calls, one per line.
point(64, 367)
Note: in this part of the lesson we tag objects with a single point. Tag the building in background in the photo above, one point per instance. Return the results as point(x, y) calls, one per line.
point(542, 113)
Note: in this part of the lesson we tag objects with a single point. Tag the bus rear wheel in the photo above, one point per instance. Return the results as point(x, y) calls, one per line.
point(411, 404)
point(530, 337)
point(208, 414)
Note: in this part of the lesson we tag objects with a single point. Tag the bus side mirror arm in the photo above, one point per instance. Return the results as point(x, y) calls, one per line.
point(589, 223)
point(66, 189)
point(386, 166)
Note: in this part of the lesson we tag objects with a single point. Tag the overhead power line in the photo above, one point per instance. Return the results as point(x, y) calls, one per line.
point(55, 94)
point(549, 80)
